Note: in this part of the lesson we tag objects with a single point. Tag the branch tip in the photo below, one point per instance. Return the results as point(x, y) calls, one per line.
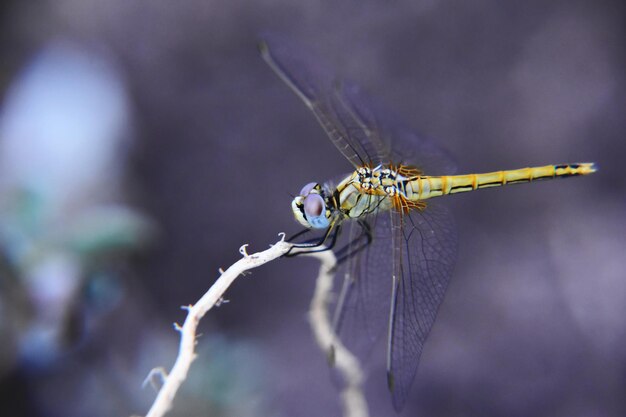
point(159, 372)
point(221, 301)
point(243, 251)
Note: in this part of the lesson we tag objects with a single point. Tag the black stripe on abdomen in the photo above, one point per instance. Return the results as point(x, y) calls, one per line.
point(461, 188)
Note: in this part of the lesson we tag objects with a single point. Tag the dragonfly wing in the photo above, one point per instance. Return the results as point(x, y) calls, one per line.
point(395, 141)
point(362, 309)
point(425, 246)
point(322, 93)
point(364, 131)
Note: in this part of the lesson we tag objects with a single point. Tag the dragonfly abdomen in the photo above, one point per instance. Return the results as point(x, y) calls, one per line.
point(425, 187)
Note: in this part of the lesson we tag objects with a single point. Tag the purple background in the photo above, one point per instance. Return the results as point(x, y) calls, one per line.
point(533, 322)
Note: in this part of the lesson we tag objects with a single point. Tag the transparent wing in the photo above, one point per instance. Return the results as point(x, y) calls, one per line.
point(362, 309)
point(395, 141)
point(397, 284)
point(361, 129)
point(425, 254)
point(320, 92)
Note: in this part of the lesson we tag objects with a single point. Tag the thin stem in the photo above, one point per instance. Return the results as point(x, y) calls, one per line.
point(353, 399)
point(163, 402)
point(354, 403)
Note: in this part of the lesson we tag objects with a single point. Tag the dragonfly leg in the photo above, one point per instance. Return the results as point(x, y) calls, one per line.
point(297, 235)
point(331, 235)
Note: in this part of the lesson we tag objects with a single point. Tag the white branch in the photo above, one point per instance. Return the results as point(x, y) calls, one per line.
point(212, 297)
point(353, 399)
point(354, 403)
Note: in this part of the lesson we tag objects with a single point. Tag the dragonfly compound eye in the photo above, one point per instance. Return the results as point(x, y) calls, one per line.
point(315, 211)
point(313, 205)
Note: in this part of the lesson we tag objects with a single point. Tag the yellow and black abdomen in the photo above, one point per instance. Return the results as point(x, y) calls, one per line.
point(424, 187)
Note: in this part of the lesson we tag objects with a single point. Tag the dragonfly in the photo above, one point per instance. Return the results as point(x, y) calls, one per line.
point(401, 246)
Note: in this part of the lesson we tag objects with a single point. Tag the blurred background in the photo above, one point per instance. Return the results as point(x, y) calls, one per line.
point(143, 142)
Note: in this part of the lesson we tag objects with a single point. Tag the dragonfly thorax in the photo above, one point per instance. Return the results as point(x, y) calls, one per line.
point(378, 180)
point(370, 190)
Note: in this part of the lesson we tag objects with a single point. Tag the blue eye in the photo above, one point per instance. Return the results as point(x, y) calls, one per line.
point(313, 205)
point(315, 211)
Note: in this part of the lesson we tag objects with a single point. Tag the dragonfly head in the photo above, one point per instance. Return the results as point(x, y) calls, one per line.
point(309, 207)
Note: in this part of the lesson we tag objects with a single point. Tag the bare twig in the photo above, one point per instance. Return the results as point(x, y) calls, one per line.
point(353, 399)
point(212, 297)
point(354, 403)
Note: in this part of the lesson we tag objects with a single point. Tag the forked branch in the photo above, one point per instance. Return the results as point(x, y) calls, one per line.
point(352, 396)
